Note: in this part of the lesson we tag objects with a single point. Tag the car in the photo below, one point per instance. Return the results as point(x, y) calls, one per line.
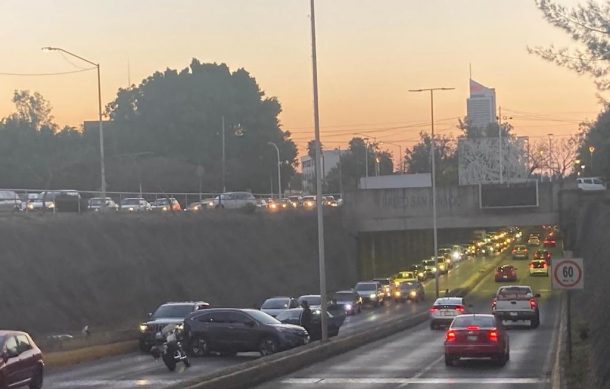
point(294, 316)
point(168, 313)
point(409, 291)
point(231, 330)
point(165, 204)
point(544, 254)
point(45, 201)
point(295, 201)
point(505, 273)
point(234, 200)
point(590, 184)
point(533, 241)
point(274, 305)
point(329, 201)
point(476, 336)
point(443, 265)
point(309, 202)
point(520, 251)
point(387, 285)
point(21, 361)
point(97, 203)
point(539, 267)
point(279, 205)
point(549, 241)
point(444, 310)
point(349, 300)
point(419, 271)
point(429, 267)
point(134, 204)
point(9, 201)
point(371, 292)
point(402, 276)
point(313, 300)
point(199, 205)
point(516, 303)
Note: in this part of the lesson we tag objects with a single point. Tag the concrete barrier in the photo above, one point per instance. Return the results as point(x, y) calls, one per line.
point(61, 359)
point(264, 369)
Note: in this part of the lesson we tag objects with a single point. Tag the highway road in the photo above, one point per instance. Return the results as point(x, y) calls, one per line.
point(414, 358)
point(139, 370)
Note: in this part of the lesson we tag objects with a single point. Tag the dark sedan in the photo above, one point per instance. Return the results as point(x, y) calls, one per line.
point(350, 301)
point(21, 361)
point(506, 273)
point(476, 336)
point(409, 290)
point(231, 330)
point(294, 316)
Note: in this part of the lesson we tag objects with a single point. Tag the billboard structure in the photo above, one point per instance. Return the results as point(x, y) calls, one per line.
point(479, 160)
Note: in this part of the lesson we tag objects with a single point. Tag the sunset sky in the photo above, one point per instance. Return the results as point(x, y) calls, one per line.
point(370, 53)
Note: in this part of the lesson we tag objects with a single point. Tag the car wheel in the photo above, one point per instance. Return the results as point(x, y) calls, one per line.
point(432, 326)
point(449, 360)
point(501, 360)
point(37, 379)
point(536, 322)
point(199, 346)
point(187, 362)
point(267, 346)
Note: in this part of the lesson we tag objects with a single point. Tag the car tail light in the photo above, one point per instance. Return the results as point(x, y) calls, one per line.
point(531, 265)
point(433, 309)
point(492, 335)
point(450, 336)
point(472, 328)
point(459, 308)
point(533, 303)
point(493, 304)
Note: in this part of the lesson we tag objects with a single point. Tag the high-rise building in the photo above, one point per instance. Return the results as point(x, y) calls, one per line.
point(481, 105)
point(329, 160)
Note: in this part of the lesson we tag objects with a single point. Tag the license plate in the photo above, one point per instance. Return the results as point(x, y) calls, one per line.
point(472, 338)
point(504, 276)
point(513, 313)
point(447, 313)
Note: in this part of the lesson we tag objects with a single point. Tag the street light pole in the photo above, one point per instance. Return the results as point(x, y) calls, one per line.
point(279, 176)
point(316, 114)
point(550, 157)
point(224, 158)
point(434, 228)
point(500, 144)
point(591, 150)
point(99, 109)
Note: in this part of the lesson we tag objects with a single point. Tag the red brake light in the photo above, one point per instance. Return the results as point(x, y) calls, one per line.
point(531, 265)
point(492, 335)
point(533, 303)
point(433, 309)
point(459, 308)
point(471, 328)
point(450, 336)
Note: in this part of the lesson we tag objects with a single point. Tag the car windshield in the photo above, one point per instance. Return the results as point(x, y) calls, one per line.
point(278, 303)
point(311, 300)
point(343, 296)
point(130, 202)
point(429, 262)
point(512, 292)
point(289, 314)
point(407, 285)
point(161, 202)
point(483, 321)
point(382, 281)
point(262, 317)
point(366, 286)
point(178, 311)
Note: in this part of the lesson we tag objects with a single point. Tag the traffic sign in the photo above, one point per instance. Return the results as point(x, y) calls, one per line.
point(568, 273)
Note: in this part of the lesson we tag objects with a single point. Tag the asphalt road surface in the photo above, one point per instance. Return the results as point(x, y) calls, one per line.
point(415, 359)
point(389, 358)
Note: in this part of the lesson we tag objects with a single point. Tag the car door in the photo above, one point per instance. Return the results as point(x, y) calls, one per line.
point(14, 368)
point(26, 356)
point(209, 325)
point(241, 332)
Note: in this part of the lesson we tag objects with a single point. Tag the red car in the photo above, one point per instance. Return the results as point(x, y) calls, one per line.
point(543, 254)
point(549, 241)
point(20, 362)
point(476, 336)
point(506, 273)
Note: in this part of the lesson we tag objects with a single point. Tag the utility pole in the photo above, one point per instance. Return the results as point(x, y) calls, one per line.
point(550, 157)
point(320, 214)
point(500, 143)
point(434, 228)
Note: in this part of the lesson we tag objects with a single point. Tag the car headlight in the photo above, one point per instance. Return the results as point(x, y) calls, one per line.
point(455, 255)
point(348, 307)
point(30, 206)
point(373, 295)
point(421, 274)
point(397, 293)
point(164, 208)
point(433, 270)
point(51, 205)
point(413, 293)
point(130, 208)
point(143, 327)
point(396, 283)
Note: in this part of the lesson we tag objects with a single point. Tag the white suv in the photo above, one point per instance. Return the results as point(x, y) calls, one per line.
point(231, 200)
point(590, 183)
point(444, 310)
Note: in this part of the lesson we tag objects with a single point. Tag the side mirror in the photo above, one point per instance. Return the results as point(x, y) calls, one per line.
point(537, 295)
point(149, 314)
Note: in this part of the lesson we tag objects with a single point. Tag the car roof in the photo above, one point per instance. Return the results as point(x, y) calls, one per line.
point(278, 297)
point(184, 302)
point(11, 332)
point(309, 295)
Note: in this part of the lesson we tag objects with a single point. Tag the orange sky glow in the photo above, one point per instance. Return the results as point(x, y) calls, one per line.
point(370, 53)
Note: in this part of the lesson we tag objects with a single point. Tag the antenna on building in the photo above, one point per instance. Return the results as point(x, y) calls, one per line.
point(470, 71)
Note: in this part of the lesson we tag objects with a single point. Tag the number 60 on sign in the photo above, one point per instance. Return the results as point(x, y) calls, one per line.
point(568, 273)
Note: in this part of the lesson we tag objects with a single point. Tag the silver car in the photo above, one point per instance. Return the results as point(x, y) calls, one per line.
point(233, 200)
point(135, 204)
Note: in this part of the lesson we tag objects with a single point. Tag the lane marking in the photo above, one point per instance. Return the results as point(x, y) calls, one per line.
point(425, 381)
point(116, 383)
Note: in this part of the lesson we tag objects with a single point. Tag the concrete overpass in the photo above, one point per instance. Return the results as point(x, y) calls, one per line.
point(457, 207)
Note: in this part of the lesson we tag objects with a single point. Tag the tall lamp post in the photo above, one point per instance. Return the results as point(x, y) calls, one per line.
point(320, 214)
point(550, 156)
point(591, 150)
point(434, 229)
point(99, 108)
point(279, 175)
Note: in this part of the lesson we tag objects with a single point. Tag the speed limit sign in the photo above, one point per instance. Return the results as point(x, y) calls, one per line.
point(568, 273)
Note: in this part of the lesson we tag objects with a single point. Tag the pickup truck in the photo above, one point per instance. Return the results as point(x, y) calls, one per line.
point(515, 303)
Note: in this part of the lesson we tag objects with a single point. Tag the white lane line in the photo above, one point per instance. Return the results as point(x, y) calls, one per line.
point(115, 383)
point(428, 381)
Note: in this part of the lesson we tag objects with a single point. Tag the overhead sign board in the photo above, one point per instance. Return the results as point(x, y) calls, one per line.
point(568, 273)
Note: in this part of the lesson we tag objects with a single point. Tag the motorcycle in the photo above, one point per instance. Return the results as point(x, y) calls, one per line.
point(169, 348)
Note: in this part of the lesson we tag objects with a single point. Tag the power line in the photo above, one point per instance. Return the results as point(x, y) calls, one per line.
point(45, 74)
